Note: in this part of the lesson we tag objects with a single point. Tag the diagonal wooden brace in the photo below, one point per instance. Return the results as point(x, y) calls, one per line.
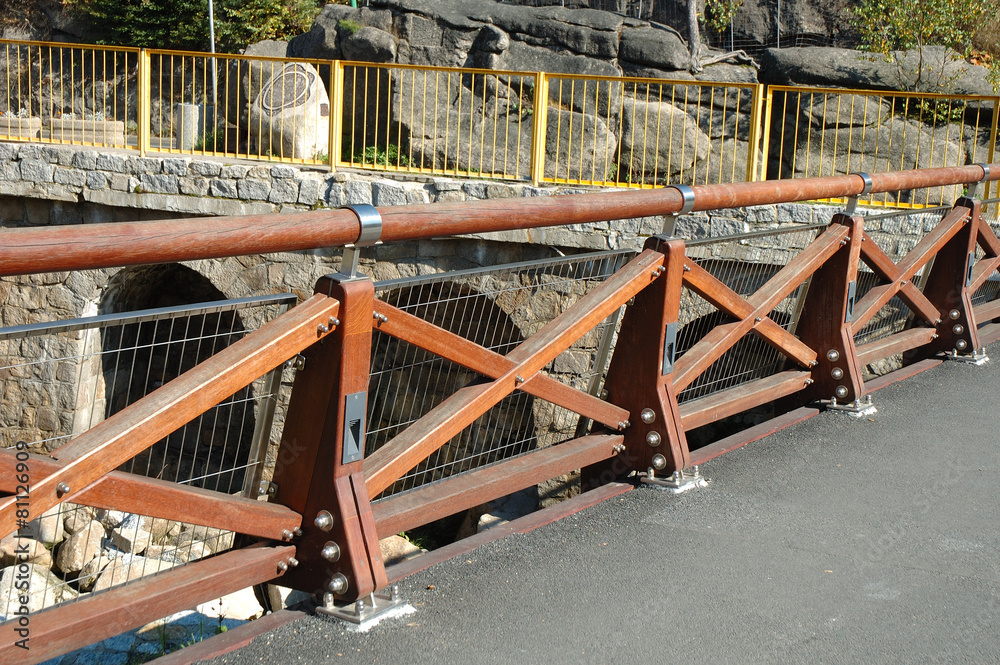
point(319, 464)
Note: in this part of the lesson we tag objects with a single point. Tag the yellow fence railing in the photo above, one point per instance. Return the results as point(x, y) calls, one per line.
point(529, 126)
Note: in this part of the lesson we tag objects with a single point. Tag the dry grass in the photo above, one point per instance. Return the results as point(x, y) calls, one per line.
point(987, 38)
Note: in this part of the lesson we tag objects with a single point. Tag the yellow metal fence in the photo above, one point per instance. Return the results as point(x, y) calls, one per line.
point(537, 127)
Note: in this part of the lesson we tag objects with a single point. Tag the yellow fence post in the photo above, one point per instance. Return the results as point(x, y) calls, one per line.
point(753, 154)
point(144, 104)
point(992, 186)
point(336, 113)
point(539, 123)
point(765, 135)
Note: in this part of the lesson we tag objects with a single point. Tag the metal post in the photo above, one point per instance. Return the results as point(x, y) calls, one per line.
point(211, 38)
point(336, 113)
point(144, 103)
point(539, 123)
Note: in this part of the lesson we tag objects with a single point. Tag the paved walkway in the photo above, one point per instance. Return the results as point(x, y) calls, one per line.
point(833, 541)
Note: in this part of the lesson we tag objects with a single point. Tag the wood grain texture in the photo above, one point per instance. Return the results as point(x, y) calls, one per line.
point(164, 499)
point(901, 342)
point(114, 441)
point(492, 365)
point(729, 402)
point(447, 419)
point(467, 490)
point(70, 626)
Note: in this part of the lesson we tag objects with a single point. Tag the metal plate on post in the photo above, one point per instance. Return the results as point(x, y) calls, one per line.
point(852, 288)
point(970, 264)
point(669, 347)
point(355, 405)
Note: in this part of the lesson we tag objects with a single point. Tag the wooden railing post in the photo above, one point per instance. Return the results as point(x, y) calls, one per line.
point(640, 376)
point(947, 287)
point(825, 322)
point(318, 471)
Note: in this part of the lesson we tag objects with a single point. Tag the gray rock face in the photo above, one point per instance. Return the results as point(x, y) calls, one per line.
point(660, 138)
point(251, 74)
point(655, 46)
point(371, 45)
point(290, 116)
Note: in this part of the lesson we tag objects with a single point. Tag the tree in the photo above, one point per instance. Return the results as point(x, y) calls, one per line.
point(888, 27)
point(717, 14)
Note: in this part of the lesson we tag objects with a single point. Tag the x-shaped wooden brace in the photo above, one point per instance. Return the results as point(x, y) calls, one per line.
point(899, 277)
point(990, 262)
point(517, 370)
point(753, 313)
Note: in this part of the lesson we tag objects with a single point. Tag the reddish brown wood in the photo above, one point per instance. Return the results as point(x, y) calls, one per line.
point(310, 473)
point(460, 410)
point(712, 346)
point(736, 400)
point(989, 333)
point(69, 626)
point(883, 266)
point(492, 365)
point(755, 433)
point(893, 344)
point(168, 500)
point(467, 490)
point(524, 524)
point(114, 441)
point(985, 267)
point(823, 322)
point(729, 302)
point(636, 379)
point(988, 310)
point(946, 286)
point(83, 246)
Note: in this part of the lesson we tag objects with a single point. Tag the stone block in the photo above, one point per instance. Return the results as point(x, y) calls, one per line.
point(69, 176)
point(309, 190)
point(234, 171)
point(193, 186)
point(159, 183)
point(284, 191)
point(43, 588)
point(205, 168)
point(97, 180)
point(253, 190)
point(223, 188)
point(14, 550)
point(107, 161)
point(388, 193)
point(36, 170)
point(48, 528)
point(85, 159)
point(120, 182)
point(77, 550)
point(283, 171)
point(176, 166)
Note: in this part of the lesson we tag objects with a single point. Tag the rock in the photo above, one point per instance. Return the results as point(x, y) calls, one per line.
point(48, 528)
point(44, 588)
point(77, 518)
point(161, 529)
point(932, 69)
point(129, 568)
point(836, 110)
point(111, 518)
point(321, 41)
point(250, 73)
point(14, 550)
point(77, 550)
point(508, 508)
point(132, 536)
point(92, 570)
point(369, 45)
point(216, 540)
point(659, 138)
point(281, 597)
point(657, 46)
point(290, 116)
point(396, 549)
point(578, 146)
point(241, 605)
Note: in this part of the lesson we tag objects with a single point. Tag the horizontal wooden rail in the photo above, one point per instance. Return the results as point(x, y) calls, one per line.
point(437, 500)
point(108, 613)
point(893, 344)
point(165, 499)
point(86, 246)
point(114, 441)
point(987, 311)
point(729, 402)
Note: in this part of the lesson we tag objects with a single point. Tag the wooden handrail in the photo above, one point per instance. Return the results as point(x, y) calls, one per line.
point(88, 246)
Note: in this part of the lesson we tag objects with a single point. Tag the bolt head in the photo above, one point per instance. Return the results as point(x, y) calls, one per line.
point(961, 345)
point(841, 391)
point(653, 439)
point(833, 355)
point(837, 374)
point(324, 521)
point(958, 329)
point(331, 551)
point(954, 314)
point(338, 584)
point(659, 462)
point(648, 416)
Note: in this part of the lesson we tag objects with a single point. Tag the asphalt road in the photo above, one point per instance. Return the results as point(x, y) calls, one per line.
point(833, 541)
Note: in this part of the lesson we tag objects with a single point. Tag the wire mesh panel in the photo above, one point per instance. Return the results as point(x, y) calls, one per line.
point(258, 108)
point(990, 212)
point(68, 94)
point(744, 263)
point(896, 234)
point(817, 132)
point(436, 120)
point(497, 308)
point(60, 379)
point(632, 132)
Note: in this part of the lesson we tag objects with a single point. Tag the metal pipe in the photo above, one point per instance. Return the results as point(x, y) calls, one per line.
point(83, 247)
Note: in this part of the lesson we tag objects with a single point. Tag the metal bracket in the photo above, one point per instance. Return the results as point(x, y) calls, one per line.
point(969, 265)
point(977, 358)
point(669, 347)
point(355, 405)
point(368, 611)
point(974, 190)
point(671, 221)
point(371, 231)
point(852, 288)
point(855, 409)
point(852, 203)
point(677, 483)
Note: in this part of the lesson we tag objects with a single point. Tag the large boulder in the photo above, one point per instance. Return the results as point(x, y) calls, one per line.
point(659, 140)
point(655, 46)
point(247, 75)
point(291, 115)
point(370, 45)
point(43, 589)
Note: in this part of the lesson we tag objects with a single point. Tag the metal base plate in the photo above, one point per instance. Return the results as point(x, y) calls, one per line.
point(978, 358)
point(678, 483)
point(366, 612)
point(855, 409)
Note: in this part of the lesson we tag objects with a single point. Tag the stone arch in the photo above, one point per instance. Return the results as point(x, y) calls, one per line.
point(137, 358)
